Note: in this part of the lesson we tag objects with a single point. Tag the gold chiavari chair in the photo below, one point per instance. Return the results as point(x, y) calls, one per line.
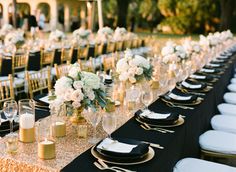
point(66, 54)
point(61, 70)
point(111, 47)
point(87, 65)
point(83, 52)
point(109, 63)
point(6, 89)
point(119, 45)
point(47, 57)
point(39, 81)
point(19, 62)
point(98, 49)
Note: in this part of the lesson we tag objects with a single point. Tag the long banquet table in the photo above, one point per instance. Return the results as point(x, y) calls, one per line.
point(182, 143)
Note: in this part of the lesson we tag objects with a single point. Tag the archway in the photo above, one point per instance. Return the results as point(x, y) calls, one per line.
point(22, 12)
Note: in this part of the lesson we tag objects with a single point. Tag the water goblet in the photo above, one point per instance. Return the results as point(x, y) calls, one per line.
point(146, 98)
point(10, 111)
point(93, 117)
point(109, 123)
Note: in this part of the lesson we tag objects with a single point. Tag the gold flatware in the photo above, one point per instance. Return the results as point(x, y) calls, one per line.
point(154, 129)
point(103, 168)
point(103, 164)
point(166, 130)
point(155, 145)
point(178, 106)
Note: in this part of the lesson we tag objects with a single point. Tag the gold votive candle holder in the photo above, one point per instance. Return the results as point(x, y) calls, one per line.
point(46, 149)
point(154, 84)
point(12, 143)
point(26, 121)
point(58, 129)
point(131, 105)
point(82, 130)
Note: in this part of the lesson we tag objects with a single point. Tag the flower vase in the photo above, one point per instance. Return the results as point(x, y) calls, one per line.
point(79, 123)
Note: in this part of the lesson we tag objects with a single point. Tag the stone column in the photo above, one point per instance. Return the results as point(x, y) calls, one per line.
point(5, 5)
point(33, 8)
point(54, 17)
point(67, 17)
point(100, 18)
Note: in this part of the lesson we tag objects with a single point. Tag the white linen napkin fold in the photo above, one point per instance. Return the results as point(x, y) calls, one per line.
point(187, 85)
point(115, 146)
point(4, 120)
point(207, 70)
point(214, 65)
point(45, 99)
point(153, 115)
point(198, 76)
point(177, 97)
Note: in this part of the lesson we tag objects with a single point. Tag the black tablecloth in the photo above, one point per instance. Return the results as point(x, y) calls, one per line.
point(183, 143)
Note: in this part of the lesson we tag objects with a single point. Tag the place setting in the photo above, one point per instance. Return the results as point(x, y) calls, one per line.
point(42, 101)
point(203, 77)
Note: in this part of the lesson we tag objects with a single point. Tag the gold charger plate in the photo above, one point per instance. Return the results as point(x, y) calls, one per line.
point(147, 158)
point(207, 89)
point(196, 102)
point(179, 122)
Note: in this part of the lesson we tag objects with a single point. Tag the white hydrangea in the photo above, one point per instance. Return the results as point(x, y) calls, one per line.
point(73, 71)
point(90, 80)
point(81, 33)
point(14, 38)
point(61, 85)
point(56, 35)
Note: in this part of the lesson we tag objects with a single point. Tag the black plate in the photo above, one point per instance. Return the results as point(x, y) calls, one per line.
point(172, 119)
point(215, 71)
point(192, 82)
point(137, 153)
point(168, 98)
point(40, 103)
point(5, 126)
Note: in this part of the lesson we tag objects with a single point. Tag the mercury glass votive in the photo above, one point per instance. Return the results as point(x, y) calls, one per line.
point(27, 121)
point(12, 143)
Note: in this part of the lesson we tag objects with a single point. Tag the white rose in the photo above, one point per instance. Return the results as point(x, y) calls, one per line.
point(139, 71)
point(90, 80)
point(91, 95)
point(73, 72)
point(123, 76)
point(62, 84)
point(167, 50)
point(78, 84)
point(68, 93)
point(77, 95)
point(132, 71)
point(122, 65)
point(76, 104)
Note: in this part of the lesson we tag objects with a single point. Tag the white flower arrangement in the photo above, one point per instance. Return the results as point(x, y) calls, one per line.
point(56, 35)
point(79, 90)
point(16, 38)
point(173, 52)
point(6, 28)
point(133, 68)
point(104, 34)
point(191, 47)
point(120, 34)
point(81, 33)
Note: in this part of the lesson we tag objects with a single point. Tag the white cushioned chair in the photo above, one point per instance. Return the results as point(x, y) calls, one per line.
point(218, 143)
point(232, 87)
point(225, 123)
point(230, 97)
point(233, 81)
point(198, 165)
point(227, 109)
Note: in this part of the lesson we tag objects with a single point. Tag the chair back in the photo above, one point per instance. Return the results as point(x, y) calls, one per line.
point(6, 89)
point(66, 55)
point(19, 62)
point(47, 57)
point(38, 81)
point(61, 70)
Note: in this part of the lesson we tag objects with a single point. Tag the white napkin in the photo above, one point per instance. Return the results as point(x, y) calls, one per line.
point(197, 76)
point(154, 115)
point(4, 120)
point(214, 65)
point(177, 97)
point(207, 70)
point(115, 146)
point(45, 99)
point(187, 85)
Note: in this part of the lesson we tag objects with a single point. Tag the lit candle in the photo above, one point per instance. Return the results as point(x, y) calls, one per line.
point(27, 133)
point(46, 149)
point(58, 129)
point(12, 143)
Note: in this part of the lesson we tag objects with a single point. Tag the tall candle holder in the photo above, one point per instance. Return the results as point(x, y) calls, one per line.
point(27, 121)
point(46, 142)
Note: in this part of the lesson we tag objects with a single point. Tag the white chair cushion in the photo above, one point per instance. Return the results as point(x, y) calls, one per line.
point(224, 123)
point(230, 97)
point(218, 141)
point(22, 74)
point(232, 87)
point(227, 109)
point(233, 80)
point(16, 82)
point(198, 165)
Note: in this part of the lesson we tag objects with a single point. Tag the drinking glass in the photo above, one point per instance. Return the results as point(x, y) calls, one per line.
point(146, 98)
point(10, 111)
point(109, 123)
point(94, 117)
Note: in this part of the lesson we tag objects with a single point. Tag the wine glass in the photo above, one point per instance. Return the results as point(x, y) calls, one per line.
point(10, 111)
point(94, 117)
point(146, 98)
point(109, 123)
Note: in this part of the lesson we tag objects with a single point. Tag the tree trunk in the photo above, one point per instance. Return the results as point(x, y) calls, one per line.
point(14, 12)
point(122, 6)
point(227, 9)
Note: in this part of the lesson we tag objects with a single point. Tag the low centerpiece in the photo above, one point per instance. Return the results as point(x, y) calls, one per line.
point(78, 91)
point(15, 38)
point(57, 36)
point(81, 36)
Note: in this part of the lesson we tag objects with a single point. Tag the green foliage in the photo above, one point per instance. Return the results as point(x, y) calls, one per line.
point(187, 16)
